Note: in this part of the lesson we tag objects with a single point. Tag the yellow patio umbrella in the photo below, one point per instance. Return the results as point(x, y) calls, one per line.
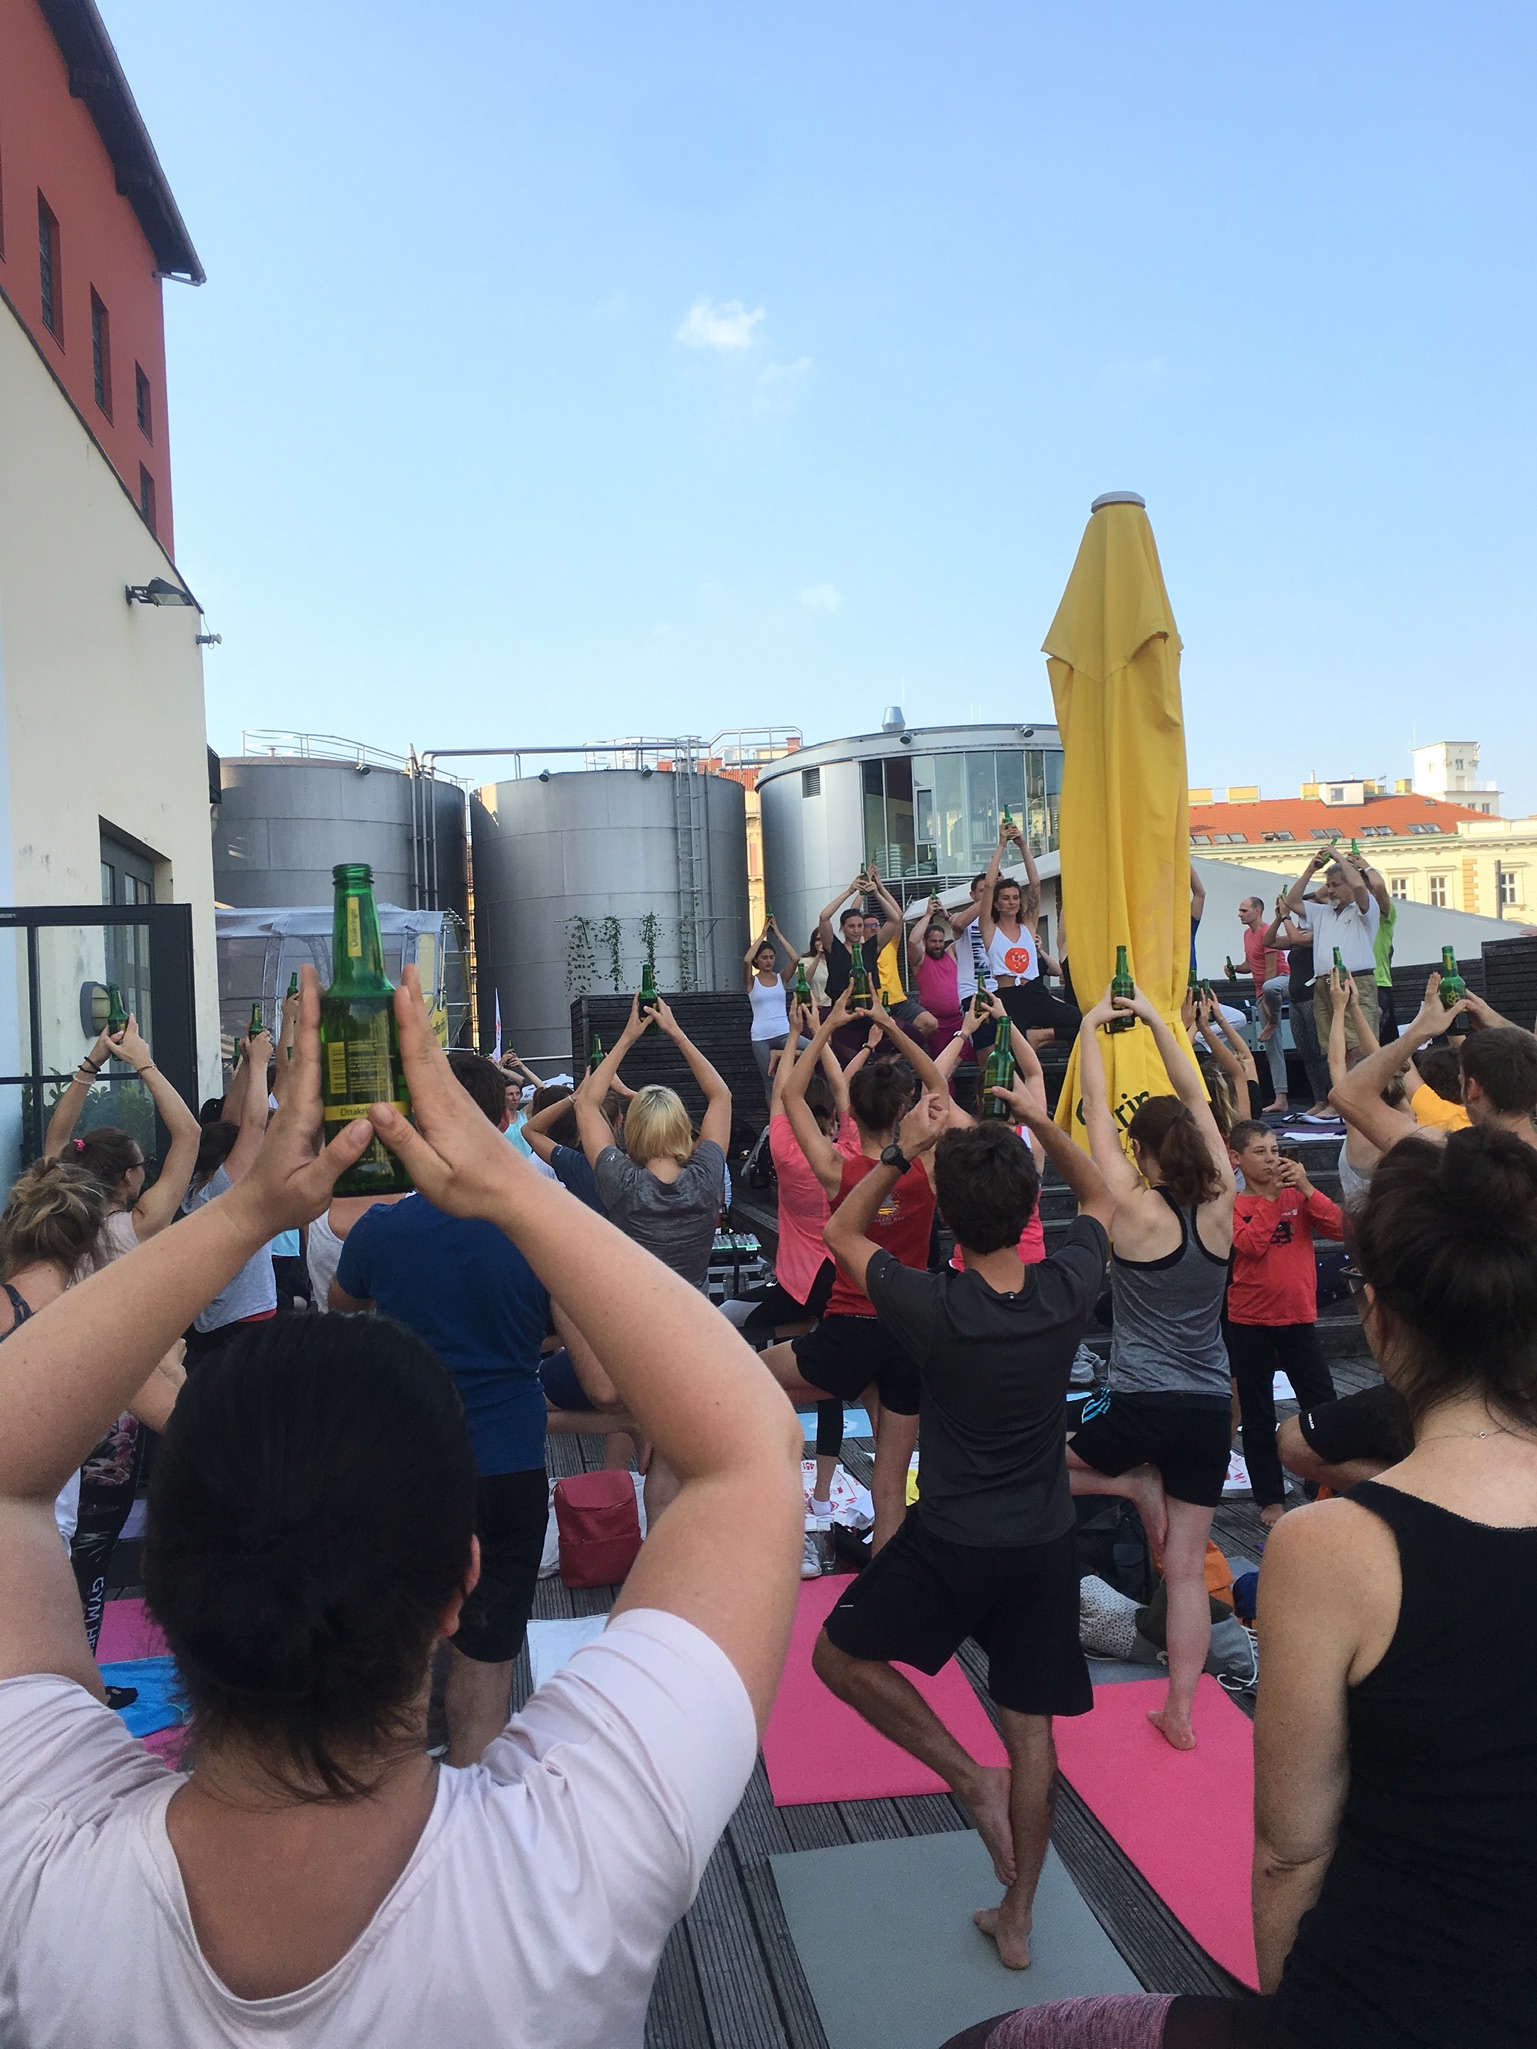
point(1113, 658)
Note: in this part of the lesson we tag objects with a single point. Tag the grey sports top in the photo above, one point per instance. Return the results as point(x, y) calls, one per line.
point(1167, 1337)
point(1353, 1182)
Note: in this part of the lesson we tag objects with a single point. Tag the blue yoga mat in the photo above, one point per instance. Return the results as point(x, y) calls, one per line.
point(157, 1706)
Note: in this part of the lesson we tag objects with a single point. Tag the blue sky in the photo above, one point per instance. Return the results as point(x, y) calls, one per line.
point(593, 369)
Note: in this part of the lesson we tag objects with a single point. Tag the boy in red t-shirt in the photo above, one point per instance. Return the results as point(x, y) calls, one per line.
point(1272, 1299)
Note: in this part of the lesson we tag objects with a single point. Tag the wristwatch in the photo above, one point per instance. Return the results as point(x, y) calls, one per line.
point(894, 1156)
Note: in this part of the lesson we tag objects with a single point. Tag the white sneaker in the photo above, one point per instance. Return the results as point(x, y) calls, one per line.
point(1237, 1481)
point(811, 1553)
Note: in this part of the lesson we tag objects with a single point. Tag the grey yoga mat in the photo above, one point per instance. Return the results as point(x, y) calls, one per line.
point(884, 1935)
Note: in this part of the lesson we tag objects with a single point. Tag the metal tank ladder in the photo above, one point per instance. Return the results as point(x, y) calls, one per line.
point(689, 818)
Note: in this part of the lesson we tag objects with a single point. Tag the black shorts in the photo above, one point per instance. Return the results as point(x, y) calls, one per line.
point(511, 1511)
point(775, 1305)
point(842, 1355)
point(1187, 1437)
point(1373, 1424)
point(921, 1597)
point(905, 1011)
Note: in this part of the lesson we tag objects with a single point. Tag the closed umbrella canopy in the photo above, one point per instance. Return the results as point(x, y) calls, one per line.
point(1113, 658)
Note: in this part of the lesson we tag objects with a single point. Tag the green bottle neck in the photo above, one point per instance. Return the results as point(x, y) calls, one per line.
point(1003, 1043)
point(357, 950)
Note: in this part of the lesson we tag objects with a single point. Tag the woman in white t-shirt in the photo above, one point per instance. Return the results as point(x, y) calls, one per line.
point(317, 1877)
point(1007, 916)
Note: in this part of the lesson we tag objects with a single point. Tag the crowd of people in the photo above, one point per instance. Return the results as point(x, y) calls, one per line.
point(348, 1400)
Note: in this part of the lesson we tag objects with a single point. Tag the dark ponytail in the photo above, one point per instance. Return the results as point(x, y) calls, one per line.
point(309, 1520)
point(107, 1152)
point(1163, 1127)
point(1447, 1237)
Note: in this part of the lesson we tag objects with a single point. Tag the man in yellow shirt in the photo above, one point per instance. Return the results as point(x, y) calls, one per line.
point(1437, 1101)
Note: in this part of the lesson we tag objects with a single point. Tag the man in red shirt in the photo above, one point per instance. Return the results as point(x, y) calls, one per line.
point(1272, 1299)
point(1266, 962)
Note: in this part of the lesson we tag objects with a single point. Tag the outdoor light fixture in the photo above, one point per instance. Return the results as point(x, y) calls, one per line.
point(544, 775)
point(158, 592)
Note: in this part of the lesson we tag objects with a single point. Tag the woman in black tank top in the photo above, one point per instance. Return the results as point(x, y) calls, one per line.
point(1395, 1878)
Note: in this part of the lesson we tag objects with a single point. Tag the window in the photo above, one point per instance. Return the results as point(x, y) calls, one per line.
point(811, 778)
point(1398, 888)
point(1336, 793)
point(1510, 887)
point(1280, 834)
point(147, 501)
point(1438, 892)
point(147, 428)
point(1200, 839)
point(1321, 832)
point(1424, 826)
point(49, 277)
point(1458, 762)
point(101, 354)
point(1376, 832)
point(1230, 839)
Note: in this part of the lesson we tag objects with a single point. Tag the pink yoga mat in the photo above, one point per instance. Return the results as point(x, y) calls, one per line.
point(815, 1748)
point(128, 1632)
point(1184, 1818)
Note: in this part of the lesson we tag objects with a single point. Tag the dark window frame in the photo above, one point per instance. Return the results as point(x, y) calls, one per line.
point(811, 782)
point(147, 499)
point(143, 403)
point(50, 270)
point(101, 353)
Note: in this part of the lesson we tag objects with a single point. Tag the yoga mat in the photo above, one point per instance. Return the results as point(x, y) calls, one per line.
point(884, 1935)
point(128, 1632)
point(553, 1644)
point(816, 1748)
point(1184, 1818)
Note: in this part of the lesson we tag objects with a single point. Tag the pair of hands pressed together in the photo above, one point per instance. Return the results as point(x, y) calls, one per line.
point(454, 1154)
point(1110, 1006)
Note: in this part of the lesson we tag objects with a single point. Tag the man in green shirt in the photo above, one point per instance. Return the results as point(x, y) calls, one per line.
point(1382, 955)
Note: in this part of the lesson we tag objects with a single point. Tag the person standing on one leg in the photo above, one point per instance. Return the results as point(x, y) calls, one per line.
point(1272, 1299)
point(989, 1549)
point(1168, 1415)
point(1266, 962)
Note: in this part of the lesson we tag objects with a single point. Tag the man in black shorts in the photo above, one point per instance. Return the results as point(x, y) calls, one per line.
point(989, 1549)
point(463, 1286)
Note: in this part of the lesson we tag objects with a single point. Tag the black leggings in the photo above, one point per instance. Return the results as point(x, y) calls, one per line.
point(1256, 1352)
point(104, 1508)
point(1032, 1007)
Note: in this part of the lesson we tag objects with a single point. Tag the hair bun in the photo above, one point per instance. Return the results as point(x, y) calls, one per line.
point(1489, 1180)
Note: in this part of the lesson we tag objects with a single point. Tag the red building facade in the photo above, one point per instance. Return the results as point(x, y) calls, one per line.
point(88, 229)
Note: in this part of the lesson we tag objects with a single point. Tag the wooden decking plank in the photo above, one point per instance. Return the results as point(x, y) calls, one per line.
point(676, 2017)
point(931, 1814)
point(797, 2008)
point(734, 1982)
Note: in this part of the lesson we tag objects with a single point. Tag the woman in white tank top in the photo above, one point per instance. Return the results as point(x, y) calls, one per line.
point(766, 983)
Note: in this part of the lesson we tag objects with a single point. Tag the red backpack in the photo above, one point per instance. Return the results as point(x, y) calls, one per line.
point(599, 1528)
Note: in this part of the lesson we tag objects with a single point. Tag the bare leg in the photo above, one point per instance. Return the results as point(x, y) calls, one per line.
point(1032, 1799)
point(1189, 1620)
point(888, 1482)
point(1143, 1486)
point(891, 1703)
point(477, 1701)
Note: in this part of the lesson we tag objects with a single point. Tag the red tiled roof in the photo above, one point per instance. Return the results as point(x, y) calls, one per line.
point(1299, 816)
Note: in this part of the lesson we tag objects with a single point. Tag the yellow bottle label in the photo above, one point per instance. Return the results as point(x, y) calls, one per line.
point(354, 930)
point(336, 1076)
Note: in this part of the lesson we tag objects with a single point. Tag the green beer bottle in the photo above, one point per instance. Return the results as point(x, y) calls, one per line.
point(999, 1072)
point(1193, 986)
point(648, 998)
point(859, 979)
point(1339, 965)
point(359, 1045)
point(768, 913)
point(117, 1011)
point(802, 989)
point(595, 1055)
point(1121, 984)
point(1451, 990)
point(293, 990)
point(1230, 970)
point(256, 1024)
point(1008, 821)
point(978, 994)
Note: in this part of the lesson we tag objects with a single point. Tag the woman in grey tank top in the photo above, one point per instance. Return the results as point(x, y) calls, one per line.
point(1163, 1434)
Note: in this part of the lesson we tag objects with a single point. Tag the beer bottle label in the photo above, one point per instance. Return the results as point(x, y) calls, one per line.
point(354, 930)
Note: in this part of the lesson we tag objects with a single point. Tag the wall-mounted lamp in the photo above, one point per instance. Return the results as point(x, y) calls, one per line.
point(544, 775)
point(209, 640)
point(158, 592)
point(906, 739)
point(647, 770)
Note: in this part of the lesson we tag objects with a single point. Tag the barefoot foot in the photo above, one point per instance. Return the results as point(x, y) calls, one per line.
point(1272, 1513)
point(1144, 1487)
point(1172, 1729)
point(1013, 1943)
point(987, 1802)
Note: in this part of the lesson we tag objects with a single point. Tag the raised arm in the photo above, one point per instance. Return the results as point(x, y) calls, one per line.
point(592, 1126)
point(918, 1057)
point(1197, 895)
point(1358, 1096)
point(791, 957)
point(847, 1231)
point(157, 1206)
point(989, 884)
point(66, 1111)
point(891, 923)
point(1105, 1148)
point(253, 1110)
point(1294, 895)
point(748, 970)
point(823, 1157)
point(1032, 889)
point(829, 911)
point(724, 1555)
point(1089, 1187)
point(716, 1122)
point(1185, 1080)
point(1354, 877)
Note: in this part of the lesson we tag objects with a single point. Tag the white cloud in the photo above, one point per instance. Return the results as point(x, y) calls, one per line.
point(778, 385)
point(709, 326)
point(822, 597)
